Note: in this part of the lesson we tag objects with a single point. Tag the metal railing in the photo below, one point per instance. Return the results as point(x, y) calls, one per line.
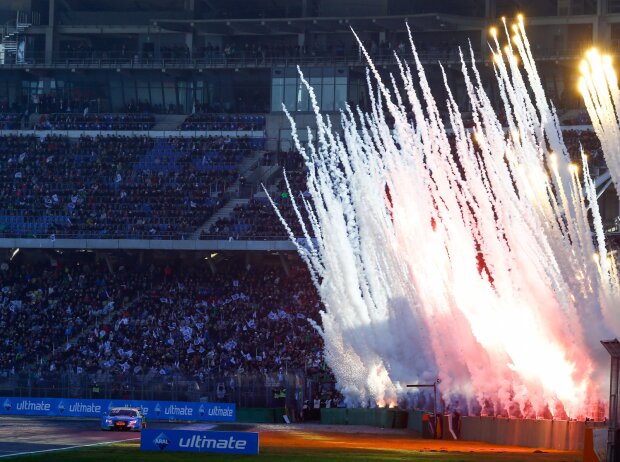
point(243, 389)
point(94, 60)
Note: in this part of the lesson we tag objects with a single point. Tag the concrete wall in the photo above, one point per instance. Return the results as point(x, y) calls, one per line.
point(146, 244)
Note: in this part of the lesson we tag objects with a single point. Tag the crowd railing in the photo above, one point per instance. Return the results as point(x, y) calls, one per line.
point(272, 389)
point(149, 133)
point(386, 57)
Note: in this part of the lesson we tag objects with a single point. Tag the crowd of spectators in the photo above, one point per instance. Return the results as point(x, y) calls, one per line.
point(257, 219)
point(180, 51)
point(264, 48)
point(41, 309)
point(74, 104)
point(586, 139)
point(580, 117)
point(148, 108)
point(114, 186)
point(157, 320)
point(224, 122)
point(261, 49)
point(96, 121)
point(83, 50)
point(48, 103)
point(268, 49)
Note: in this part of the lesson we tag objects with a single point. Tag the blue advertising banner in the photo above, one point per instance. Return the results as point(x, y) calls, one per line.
point(199, 441)
point(152, 410)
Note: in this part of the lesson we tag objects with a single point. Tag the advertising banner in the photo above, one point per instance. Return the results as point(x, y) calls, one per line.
point(199, 441)
point(152, 410)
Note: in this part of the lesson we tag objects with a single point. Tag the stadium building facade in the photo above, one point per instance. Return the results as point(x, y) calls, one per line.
point(241, 56)
point(141, 131)
point(177, 57)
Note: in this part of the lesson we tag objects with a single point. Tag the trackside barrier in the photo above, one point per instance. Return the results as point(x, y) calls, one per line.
point(416, 421)
point(260, 415)
point(153, 410)
point(375, 417)
point(550, 434)
point(199, 441)
point(554, 434)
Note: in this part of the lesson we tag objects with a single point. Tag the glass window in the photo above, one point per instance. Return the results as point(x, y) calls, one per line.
point(157, 98)
point(290, 93)
point(329, 85)
point(116, 95)
point(315, 83)
point(341, 92)
point(130, 91)
point(303, 97)
point(143, 91)
point(327, 104)
point(198, 91)
point(183, 94)
point(170, 94)
point(277, 94)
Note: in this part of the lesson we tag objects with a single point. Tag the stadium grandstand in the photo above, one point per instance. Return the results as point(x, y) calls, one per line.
point(139, 254)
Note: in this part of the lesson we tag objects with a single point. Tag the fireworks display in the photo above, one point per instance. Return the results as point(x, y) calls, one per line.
point(476, 257)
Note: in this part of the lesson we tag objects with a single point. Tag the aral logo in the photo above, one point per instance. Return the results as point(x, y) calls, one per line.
point(7, 404)
point(161, 441)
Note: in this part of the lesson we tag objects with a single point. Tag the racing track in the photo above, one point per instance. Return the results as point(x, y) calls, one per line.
point(28, 435)
point(32, 435)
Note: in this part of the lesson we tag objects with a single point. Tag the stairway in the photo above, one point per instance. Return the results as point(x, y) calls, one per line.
point(246, 168)
point(10, 36)
point(224, 212)
point(168, 122)
point(268, 173)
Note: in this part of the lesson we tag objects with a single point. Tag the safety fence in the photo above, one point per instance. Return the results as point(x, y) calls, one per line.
point(246, 390)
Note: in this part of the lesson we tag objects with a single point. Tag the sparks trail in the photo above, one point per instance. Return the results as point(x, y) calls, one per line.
point(476, 270)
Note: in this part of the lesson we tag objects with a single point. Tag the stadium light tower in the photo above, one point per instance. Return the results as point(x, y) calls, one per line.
point(613, 348)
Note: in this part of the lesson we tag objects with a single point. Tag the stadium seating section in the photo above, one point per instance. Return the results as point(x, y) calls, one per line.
point(224, 122)
point(141, 187)
point(113, 186)
point(257, 220)
point(85, 121)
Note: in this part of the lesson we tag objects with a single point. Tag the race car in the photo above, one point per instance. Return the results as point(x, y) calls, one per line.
point(123, 418)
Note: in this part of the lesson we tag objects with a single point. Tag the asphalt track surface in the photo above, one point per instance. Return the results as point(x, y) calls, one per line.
point(32, 435)
point(37, 435)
